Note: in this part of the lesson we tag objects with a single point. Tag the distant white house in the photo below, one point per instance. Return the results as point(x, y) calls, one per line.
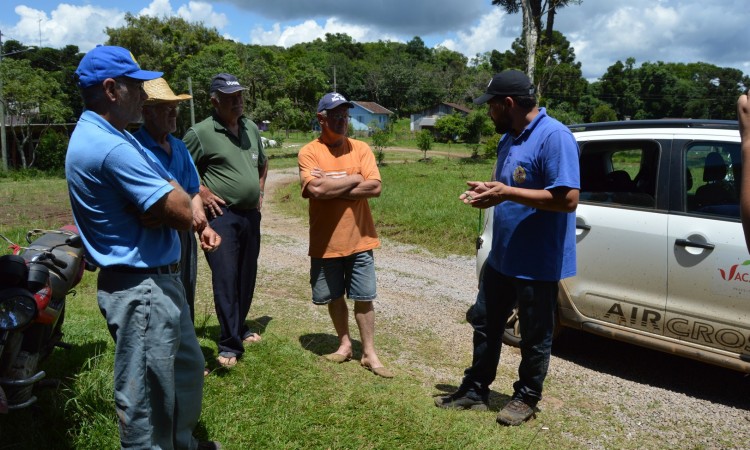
point(426, 119)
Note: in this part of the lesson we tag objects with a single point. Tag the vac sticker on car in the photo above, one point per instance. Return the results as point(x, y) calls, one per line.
point(736, 277)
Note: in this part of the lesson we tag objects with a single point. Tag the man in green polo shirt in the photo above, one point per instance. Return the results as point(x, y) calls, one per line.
point(228, 153)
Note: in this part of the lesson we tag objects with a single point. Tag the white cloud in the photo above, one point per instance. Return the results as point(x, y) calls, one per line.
point(67, 24)
point(202, 12)
point(486, 36)
point(157, 8)
point(310, 30)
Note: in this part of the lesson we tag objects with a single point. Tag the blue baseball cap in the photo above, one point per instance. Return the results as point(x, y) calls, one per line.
point(104, 61)
point(332, 100)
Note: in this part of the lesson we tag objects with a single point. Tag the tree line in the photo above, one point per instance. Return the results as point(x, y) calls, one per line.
point(284, 84)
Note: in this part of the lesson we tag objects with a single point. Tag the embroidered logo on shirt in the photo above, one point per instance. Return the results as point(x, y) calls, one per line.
point(519, 175)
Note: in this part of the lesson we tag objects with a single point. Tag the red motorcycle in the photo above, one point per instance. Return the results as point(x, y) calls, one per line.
point(34, 283)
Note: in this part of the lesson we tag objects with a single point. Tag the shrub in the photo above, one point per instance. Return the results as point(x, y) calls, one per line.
point(50, 154)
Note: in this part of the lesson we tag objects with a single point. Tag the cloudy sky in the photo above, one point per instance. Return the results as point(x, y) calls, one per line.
point(601, 31)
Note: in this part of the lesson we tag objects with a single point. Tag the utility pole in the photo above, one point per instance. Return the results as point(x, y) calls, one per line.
point(192, 106)
point(334, 79)
point(3, 140)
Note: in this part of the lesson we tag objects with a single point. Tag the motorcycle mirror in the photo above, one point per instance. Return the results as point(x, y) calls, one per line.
point(74, 241)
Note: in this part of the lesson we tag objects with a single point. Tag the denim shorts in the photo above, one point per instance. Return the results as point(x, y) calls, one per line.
point(329, 277)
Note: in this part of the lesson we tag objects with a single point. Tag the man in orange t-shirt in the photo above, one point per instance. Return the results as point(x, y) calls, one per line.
point(338, 175)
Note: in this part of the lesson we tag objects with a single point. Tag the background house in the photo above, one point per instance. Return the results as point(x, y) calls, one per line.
point(426, 118)
point(366, 114)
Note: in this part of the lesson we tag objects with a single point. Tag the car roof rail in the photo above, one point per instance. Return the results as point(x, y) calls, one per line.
point(657, 123)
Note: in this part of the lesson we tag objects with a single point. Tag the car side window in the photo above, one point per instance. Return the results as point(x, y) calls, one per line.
point(712, 178)
point(619, 173)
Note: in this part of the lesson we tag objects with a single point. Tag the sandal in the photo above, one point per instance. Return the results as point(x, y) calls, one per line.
point(227, 359)
point(251, 338)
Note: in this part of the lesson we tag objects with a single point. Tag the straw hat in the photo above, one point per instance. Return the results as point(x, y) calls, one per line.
point(159, 91)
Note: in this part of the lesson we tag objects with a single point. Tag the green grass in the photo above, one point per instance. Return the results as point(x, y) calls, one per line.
point(419, 204)
point(282, 395)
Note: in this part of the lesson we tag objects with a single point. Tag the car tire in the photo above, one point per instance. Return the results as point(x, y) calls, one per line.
point(512, 332)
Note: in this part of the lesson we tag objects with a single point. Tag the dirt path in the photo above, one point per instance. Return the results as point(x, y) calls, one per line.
point(621, 395)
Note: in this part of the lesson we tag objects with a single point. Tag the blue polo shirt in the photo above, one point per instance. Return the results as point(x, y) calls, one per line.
point(108, 172)
point(527, 242)
point(179, 164)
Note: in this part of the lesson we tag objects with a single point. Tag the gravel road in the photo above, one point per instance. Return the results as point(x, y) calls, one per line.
point(599, 393)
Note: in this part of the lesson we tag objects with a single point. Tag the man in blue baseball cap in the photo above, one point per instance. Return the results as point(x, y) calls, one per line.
point(128, 209)
point(339, 175)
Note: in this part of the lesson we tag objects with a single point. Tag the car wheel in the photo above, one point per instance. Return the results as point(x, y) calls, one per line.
point(512, 333)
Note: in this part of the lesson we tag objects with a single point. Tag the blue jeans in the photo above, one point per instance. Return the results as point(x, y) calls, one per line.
point(189, 267)
point(234, 267)
point(158, 374)
point(537, 304)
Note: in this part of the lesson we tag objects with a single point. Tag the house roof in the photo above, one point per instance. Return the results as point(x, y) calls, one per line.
point(373, 107)
point(458, 107)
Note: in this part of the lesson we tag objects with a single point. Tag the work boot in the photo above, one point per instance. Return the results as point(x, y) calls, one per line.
point(463, 400)
point(515, 413)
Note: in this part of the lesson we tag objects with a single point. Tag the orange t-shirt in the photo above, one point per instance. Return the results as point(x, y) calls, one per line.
point(339, 227)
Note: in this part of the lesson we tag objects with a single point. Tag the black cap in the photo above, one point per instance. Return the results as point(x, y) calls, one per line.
point(226, 84)
point(509, 83)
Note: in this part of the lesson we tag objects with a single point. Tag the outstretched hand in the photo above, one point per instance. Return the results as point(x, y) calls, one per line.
point(482, 194)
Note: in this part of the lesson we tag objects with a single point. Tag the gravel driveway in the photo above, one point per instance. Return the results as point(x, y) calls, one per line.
point(599, 393)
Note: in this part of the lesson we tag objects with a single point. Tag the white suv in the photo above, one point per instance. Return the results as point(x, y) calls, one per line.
point(662, 261)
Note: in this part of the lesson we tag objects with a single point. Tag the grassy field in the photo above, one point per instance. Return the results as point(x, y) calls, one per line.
point(282, 396)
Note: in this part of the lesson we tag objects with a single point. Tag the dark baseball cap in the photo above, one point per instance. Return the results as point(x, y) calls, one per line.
point(332, 100)
point(106, 61)
point(508, 83)
point(226, 84)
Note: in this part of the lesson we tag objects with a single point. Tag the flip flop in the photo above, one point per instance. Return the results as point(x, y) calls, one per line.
point(381, 371)
point(337, 358)
point(229, 359)
point(251, 338)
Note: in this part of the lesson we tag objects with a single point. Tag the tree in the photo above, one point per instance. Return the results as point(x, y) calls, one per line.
point(450, 127)
point(603, 113)
point(424, 142)
point(380, 140)
point(476, 123)
point(532, 11)
point(162, 44)
point(32, 98)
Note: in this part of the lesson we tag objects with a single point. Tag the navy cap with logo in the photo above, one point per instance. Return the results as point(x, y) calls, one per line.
point(106, 61)
point(226, 84)
point(509, 83)
point(332, 100)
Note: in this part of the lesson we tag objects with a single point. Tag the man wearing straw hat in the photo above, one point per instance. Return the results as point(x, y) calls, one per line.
point(159, 121)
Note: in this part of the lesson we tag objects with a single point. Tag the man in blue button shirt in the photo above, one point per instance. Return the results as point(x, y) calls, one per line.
point(159, 122)
point(533, 244)
point(128, 210)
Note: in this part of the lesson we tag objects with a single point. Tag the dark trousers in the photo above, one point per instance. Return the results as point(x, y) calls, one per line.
point(189, 267)
point(537, 303)
point(234, 266)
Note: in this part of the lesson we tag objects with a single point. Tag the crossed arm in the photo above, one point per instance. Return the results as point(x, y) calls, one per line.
point(351, 187)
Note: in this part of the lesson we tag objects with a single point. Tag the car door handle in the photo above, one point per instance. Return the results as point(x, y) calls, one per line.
point(583, 226)
point(689, 243)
